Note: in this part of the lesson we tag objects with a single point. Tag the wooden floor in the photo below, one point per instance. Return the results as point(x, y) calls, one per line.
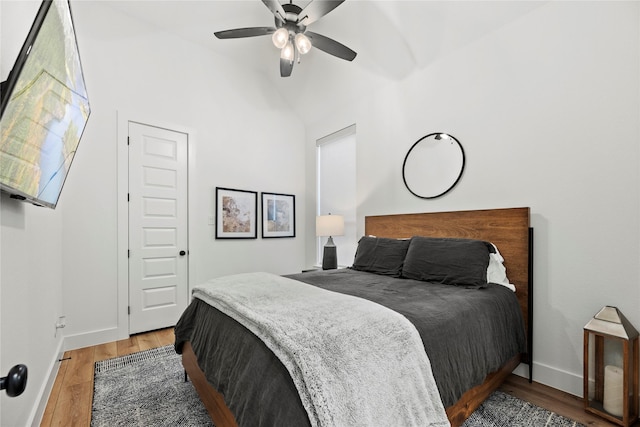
point(554, 400)
point(70, 402)
point(71, 397)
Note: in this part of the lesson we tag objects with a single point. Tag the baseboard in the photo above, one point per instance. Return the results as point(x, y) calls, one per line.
point(70, 342)
point(35, 418)
point(87, 339)
point(553, 377)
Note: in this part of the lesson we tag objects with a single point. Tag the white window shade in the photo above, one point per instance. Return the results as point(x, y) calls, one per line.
point(336, 180)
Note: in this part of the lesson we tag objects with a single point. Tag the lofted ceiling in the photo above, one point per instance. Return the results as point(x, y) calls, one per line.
point(393, 38)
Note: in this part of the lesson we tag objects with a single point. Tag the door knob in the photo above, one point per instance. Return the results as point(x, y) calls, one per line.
point(15, 382)
point(182, 253)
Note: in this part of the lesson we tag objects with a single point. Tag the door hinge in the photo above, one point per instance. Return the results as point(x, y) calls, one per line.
point(128, 196)
point(128, 253)
point(129, 310)
point(128, 141)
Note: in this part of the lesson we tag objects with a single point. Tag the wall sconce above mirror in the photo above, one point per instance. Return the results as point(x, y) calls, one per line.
point(433, 165)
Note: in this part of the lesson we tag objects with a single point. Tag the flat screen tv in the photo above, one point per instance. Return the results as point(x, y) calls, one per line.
point(44, 109)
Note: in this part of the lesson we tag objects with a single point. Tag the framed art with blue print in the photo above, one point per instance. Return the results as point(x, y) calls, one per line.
point(278, 215)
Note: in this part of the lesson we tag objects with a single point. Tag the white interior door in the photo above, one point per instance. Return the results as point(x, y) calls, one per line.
point(158, 238)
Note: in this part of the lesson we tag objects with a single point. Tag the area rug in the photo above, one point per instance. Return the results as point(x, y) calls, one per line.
point(503, 410)
point(148, 389)
point(145, 389)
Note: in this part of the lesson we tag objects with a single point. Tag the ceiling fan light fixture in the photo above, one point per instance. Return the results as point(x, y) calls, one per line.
point(303, 44)
point(289, 32)
point(288, 52)
point(280, 37)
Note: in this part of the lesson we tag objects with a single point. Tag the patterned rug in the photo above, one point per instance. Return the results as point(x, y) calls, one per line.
point(503, 410)
point(145, 389)
point(148, 389)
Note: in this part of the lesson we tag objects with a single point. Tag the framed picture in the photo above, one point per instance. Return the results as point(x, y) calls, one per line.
point(236, 214)
point(278, 215)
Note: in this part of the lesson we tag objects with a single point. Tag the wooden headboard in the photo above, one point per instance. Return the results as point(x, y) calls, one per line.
point(508, 229)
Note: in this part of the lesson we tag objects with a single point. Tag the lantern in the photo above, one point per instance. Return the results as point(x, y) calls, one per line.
point(611, 367)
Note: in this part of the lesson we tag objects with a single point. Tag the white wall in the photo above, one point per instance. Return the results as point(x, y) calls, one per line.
point(147, 73)
point(65, 262)
point(31, 296)
point(30, 268)
point(547, 109)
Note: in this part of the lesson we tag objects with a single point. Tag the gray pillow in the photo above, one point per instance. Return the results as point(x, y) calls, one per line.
point(380, 255)
point(461, 262)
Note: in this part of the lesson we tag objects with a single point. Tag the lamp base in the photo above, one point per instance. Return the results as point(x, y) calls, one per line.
point(329, 258)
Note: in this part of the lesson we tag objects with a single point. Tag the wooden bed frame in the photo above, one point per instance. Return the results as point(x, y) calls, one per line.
point(508, 229)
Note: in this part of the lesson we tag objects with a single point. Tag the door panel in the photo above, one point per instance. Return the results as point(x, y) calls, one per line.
point(158, 282)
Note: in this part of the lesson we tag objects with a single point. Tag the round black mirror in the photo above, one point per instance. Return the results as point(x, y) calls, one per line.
point(433, 165)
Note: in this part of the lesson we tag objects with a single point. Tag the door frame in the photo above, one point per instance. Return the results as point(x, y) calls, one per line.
point(123, 118)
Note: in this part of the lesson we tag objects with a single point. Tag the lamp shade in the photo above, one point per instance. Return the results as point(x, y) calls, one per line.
point(303, 44)
point(329, 225)
point(280, 37)
point(288, 52)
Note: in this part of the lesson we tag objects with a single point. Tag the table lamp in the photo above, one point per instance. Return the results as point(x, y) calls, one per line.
point(329, 225)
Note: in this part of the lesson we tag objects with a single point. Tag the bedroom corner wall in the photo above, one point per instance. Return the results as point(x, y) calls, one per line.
point(30, 267)
point(237, 119)
point(547, 109)
point(64, 262)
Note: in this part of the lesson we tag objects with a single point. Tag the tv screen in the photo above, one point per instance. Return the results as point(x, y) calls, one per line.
point(44, 109)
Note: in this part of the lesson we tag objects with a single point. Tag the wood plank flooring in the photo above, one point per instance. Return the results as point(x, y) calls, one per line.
point(71, 397)
point(554, 400)
point(70, 402)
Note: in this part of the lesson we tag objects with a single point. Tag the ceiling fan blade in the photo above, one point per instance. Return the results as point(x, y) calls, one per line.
point(286, 67)
point(330, 46)
point(316, 10)
point(244, 32)
point(276, 8)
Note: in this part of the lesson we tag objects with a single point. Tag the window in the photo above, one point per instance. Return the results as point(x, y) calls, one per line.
point(336, 189)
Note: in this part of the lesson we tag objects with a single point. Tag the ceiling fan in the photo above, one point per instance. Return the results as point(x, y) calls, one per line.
point(290, 32)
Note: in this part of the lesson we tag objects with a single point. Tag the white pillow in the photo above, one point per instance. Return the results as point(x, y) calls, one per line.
point(496, 272)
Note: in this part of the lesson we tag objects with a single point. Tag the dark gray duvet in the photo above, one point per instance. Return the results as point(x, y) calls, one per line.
point(467, 334)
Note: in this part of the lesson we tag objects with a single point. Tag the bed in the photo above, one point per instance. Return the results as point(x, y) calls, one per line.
point(217, 350)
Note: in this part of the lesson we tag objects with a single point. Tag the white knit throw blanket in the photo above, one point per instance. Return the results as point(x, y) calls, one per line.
point(354, 362)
